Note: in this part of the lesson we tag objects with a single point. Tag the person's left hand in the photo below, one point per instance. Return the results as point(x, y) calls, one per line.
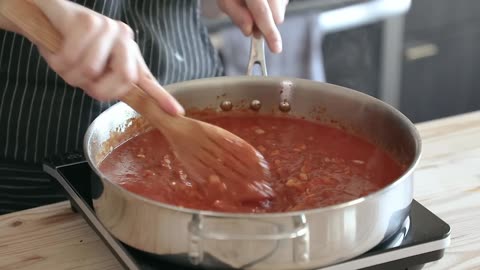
point(264, 14)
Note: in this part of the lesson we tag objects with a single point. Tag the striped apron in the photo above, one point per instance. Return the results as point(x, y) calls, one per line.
point(40, 115)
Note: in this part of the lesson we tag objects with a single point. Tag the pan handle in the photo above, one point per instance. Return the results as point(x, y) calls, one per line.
point(300, 228)
point(257, 54)
point(298, 232)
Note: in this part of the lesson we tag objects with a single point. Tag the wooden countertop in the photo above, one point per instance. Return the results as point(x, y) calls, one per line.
point(447, 182)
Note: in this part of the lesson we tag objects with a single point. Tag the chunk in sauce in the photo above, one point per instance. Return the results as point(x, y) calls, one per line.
point(312, 165)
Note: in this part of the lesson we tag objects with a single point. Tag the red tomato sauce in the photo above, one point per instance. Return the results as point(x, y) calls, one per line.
point(312, 165)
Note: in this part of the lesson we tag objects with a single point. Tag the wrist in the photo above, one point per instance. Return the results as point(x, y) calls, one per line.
point(6, 24)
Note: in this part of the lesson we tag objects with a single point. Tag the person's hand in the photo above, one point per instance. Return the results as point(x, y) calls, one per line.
point(98, 55)
point(264, 14)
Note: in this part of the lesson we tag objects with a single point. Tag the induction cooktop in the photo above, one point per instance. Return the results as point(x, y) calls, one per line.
point(422, 239)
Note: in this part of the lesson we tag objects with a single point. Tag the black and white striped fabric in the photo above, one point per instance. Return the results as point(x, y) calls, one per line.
point(40, 115)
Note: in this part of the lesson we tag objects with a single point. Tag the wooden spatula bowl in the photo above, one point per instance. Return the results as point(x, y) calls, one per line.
point(208, 152)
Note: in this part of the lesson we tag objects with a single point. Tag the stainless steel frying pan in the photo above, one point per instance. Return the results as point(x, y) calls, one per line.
point(292, 240)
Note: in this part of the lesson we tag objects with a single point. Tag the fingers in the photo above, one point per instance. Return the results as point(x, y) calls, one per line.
point(111, 85)
point(76, 39)
point(125, 59)
point(149, 84)
point(278, 8)
point(95, 58)
point(263, 18)
point(166, 101)
point(84, 54)
point(264, 14)
point(98, 54)
point(239, 13)
point(104, 54)
point(123, 72)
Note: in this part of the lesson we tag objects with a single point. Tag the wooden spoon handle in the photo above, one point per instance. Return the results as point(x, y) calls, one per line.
point(33, 23)
point(36, 26)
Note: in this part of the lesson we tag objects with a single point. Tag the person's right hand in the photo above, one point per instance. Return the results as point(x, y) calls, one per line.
point(99, 55)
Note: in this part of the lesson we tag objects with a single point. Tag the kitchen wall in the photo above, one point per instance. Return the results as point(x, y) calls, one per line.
point(438, 56)
point(442, 59)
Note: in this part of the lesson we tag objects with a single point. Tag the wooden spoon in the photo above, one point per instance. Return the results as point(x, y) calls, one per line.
point(208, 153)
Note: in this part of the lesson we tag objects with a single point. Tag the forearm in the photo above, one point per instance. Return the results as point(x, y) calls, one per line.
point(6, 24)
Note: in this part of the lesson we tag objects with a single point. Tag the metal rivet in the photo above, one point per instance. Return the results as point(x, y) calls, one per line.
point(226, 105)
point(284, 106)
point(255, 105)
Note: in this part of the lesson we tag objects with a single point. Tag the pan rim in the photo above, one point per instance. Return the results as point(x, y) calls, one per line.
point(406, 175)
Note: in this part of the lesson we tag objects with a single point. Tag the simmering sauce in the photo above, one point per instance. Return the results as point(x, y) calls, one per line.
point(312, 165)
